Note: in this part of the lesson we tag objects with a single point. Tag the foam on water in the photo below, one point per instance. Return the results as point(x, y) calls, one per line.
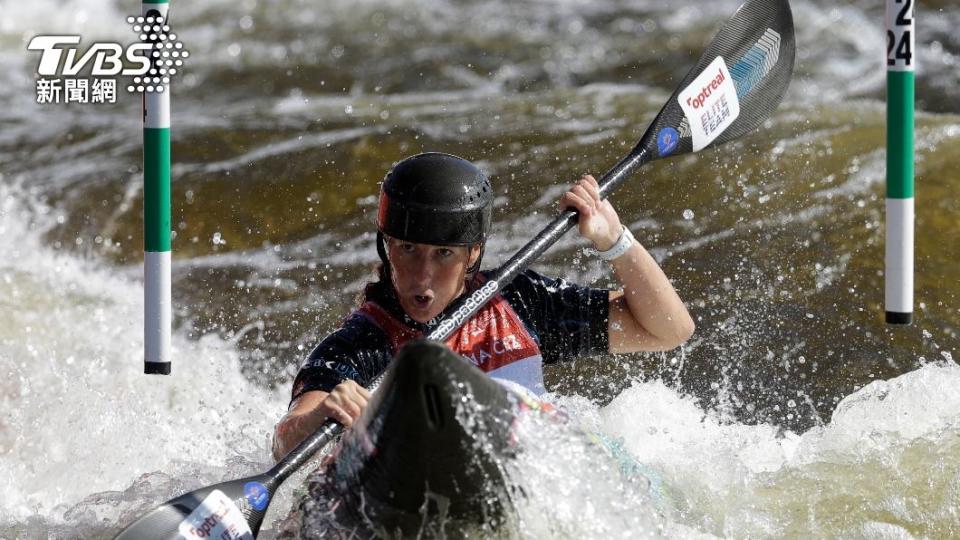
point(886, 464)
point(81, 416)
point(86, 437)
point(84, 422)
point(568, 486)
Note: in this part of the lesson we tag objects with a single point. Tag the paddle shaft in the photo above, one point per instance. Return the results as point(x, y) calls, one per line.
point(764, 68)
point(759, 62)
point(460, 311)
point(759, 42)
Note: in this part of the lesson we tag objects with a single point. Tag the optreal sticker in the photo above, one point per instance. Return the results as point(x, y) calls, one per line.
point(216, 517)
point(710, 103)
point(257, 495)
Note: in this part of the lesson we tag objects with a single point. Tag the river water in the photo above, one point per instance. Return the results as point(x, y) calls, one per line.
point(794, 411)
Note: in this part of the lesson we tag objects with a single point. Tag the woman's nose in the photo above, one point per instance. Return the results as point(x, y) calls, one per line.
point(424, 271)
point(419, 267)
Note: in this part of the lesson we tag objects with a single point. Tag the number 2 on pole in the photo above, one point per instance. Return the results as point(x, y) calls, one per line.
point(903, 18)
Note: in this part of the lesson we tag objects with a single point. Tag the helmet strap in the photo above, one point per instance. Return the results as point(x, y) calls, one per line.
point(384, 261)
point(475, 267)
point(381, 248)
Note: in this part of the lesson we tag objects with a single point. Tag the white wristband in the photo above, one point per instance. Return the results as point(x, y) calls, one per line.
point(619, 248)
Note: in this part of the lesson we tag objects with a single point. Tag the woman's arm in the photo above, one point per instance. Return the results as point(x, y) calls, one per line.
point(311, 409)
point(647, 314)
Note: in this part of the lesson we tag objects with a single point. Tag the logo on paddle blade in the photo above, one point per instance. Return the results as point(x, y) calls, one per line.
point(215, 517)
point(257, 495)
point(750, 69)
point(710, 103)
point(667, 140)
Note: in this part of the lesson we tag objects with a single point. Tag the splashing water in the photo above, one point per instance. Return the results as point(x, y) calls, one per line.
point(792, 412)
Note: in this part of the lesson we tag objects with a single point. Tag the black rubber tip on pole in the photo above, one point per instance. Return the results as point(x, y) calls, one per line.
point(156, 368)
point(895, 317)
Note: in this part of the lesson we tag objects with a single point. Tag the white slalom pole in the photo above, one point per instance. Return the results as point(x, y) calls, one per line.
point(898, 297)
point(156, 202)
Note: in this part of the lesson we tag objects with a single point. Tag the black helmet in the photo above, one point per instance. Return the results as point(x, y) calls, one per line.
point(435, 198)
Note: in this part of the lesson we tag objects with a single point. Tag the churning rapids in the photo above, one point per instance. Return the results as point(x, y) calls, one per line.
point(794, 411)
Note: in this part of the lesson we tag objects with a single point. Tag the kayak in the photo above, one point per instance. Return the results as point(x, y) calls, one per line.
point(427, 457)
point(430, 456)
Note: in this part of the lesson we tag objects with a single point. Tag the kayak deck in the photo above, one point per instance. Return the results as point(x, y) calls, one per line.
point(425, 459)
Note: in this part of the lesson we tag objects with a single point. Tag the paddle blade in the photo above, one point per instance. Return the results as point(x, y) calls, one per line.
point(736, 84)
point(232, 510)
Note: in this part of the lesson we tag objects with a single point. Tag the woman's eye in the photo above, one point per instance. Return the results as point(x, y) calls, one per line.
point(406, 248)
point(444, 253)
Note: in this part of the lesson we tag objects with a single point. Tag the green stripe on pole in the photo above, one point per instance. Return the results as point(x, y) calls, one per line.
point(900, 86)
point(156, 189)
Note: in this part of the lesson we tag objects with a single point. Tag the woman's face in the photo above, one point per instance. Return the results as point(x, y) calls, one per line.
point(427, 277)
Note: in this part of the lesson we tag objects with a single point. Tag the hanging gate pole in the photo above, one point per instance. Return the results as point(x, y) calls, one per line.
point(898, 294)
point(156, 208)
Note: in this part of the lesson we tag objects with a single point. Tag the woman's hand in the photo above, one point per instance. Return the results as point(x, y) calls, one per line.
point(599, 222)
point(309, 411)
point(647, 314)
point(344, 404)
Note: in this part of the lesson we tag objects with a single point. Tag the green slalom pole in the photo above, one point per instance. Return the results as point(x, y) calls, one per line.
point(156, 210)
point(898, 297)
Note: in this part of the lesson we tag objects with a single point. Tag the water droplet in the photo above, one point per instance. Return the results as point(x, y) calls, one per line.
point(688, 214)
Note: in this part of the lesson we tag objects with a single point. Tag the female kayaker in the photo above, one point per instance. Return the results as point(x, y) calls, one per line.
point(433, 221)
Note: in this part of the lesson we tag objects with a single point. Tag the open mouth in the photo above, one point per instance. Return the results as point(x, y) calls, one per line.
point(422, 300)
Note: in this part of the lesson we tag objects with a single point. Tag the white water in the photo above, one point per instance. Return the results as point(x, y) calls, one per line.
point(887, 461)
point(87, 442)
point(80, 417)
point(82, 423)
point(886, 466)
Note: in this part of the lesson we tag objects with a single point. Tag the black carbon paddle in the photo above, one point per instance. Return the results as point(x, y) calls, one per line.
point(738, 81)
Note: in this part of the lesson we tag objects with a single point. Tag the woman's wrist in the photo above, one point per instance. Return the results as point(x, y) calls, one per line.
point(606, 243)
point(619, 247)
